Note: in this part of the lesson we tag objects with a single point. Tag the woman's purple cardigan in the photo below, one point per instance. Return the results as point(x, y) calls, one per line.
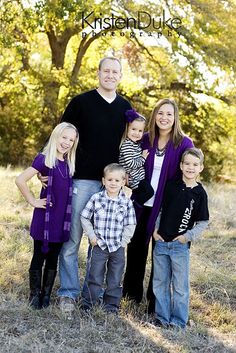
point(170, 170)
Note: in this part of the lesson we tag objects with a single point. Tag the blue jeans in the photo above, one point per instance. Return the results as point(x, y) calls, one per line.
point(110, 266)
point(68, 259)
point(171, 282)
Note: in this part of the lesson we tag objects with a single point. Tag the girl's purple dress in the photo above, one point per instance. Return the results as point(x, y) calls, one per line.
point(60, 192)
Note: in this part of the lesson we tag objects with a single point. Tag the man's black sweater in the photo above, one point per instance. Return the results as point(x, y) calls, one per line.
point(101, 126)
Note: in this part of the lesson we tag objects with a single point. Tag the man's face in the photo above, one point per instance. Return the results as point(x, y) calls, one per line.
point(109, 75)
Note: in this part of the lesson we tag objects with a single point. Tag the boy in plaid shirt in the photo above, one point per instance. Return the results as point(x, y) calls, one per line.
point(109, 221)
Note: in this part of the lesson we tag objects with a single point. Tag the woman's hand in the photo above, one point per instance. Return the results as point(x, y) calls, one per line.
point(145, 153)
point(157, 236)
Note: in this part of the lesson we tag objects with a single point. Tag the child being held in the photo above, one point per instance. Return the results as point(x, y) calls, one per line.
point(109, 221)
point(183, 217)
point(132, 157)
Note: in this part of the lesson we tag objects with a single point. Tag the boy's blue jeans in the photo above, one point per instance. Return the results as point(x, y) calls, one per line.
point(110, 266)
point(171, 282)
point(68, 259)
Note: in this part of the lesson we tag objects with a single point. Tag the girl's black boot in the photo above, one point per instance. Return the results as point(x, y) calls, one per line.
point(35, 277)
point(48, 282)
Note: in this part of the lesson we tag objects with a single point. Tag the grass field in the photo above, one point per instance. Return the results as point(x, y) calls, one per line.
point(213, 293)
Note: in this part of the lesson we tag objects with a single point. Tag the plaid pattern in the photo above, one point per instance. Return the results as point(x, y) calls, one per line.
point(109, 217)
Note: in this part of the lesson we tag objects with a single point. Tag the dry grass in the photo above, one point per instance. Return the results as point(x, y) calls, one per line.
point(213, 299)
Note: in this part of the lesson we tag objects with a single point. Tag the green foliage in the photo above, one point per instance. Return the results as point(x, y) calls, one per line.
point(209, 122)
point(46, 59)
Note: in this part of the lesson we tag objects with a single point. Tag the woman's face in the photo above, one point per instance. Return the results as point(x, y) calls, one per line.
point(165, 117)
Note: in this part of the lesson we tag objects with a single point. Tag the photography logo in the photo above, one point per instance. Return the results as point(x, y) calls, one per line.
point(142, 24)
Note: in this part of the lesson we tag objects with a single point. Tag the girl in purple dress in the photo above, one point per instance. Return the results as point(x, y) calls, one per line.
point(50, 226)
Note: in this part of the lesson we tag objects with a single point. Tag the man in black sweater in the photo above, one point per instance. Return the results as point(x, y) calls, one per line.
point(99, 117)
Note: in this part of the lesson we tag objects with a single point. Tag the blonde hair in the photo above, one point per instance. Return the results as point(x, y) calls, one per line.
point(176, 132)
point(114, 167)
point(50, 150)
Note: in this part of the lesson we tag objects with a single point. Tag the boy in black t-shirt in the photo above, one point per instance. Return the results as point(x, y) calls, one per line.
point(183, 217)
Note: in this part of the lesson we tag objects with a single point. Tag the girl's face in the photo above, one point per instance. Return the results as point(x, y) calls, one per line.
point(135, 130)
point(165, 117)
point(65, 142)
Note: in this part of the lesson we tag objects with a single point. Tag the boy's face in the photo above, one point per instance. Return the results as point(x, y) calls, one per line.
point(191, 167)
point(113, 182)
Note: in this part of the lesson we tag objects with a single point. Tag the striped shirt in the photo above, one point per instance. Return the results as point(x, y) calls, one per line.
point(132, 160)
point(110, 218)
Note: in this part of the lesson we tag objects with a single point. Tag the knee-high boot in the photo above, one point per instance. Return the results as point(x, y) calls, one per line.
point(35, 277)
point(48, 282)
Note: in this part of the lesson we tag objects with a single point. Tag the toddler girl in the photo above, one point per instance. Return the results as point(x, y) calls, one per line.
point(132, 158)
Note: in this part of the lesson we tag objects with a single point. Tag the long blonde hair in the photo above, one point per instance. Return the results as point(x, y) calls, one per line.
point(176, 132)
point(50, 150)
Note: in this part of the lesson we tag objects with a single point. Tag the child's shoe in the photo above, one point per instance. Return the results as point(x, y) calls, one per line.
point(35, 277)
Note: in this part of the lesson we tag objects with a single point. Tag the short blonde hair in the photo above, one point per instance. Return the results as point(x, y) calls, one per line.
point(176, 133)
point(114, 167)
point(50, 150)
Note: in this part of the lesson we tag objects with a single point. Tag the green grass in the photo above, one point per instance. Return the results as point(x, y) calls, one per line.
point(213, 293)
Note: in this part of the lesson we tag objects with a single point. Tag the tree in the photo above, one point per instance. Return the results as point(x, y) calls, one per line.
point(49, 50)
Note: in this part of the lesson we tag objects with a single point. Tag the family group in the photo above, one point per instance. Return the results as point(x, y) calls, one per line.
point(100, 148)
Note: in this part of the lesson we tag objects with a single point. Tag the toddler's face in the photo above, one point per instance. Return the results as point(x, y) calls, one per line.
point(135, 130)
point(113, 182)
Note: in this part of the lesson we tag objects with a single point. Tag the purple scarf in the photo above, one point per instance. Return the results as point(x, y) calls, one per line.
point(67, 218)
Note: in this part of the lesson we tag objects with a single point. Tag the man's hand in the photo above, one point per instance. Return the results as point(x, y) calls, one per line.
point(157, 236)
point(181, 239)
point(43, 180)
